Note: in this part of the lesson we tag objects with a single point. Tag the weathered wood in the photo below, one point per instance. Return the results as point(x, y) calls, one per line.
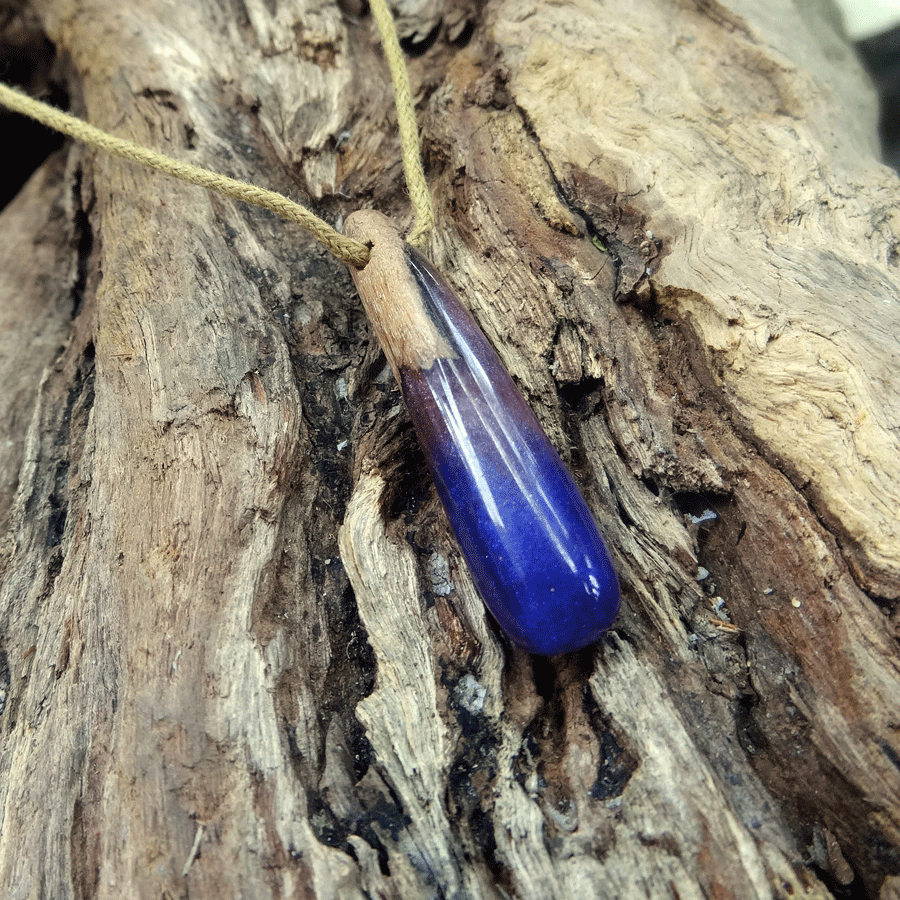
point(241, 655)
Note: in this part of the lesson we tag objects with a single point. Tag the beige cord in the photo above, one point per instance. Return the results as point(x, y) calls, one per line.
point(346, 249)
point(350, 251)
point(410, 152)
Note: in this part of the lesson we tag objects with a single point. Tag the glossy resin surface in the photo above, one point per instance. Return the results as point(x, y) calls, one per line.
point(527, 534)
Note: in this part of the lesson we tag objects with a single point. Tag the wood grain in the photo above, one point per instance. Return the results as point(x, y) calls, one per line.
point(239, 652)
point(391, 298)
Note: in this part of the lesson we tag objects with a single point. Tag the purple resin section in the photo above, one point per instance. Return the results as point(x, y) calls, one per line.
point(529, 538)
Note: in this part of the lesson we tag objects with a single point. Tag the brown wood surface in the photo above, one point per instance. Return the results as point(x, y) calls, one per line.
point(241, 656)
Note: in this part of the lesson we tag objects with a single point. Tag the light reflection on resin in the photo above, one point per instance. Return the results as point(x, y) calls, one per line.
point(530, 540)
point(528, 537)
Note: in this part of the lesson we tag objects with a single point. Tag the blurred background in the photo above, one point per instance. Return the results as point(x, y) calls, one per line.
point(874, 26)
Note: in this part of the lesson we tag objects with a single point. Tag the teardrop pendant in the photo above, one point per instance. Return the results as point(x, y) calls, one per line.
point(531, 543)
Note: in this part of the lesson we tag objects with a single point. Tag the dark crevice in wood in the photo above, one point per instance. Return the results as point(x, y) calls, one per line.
point(5, 678)
point(409, 484)
point(616, 763)
point(473, 770)
point(465, 35)
point(84, 236)
point(416, 45)
point(582, 396)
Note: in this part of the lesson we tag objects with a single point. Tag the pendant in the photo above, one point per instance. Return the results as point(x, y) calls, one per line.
point(527, 535)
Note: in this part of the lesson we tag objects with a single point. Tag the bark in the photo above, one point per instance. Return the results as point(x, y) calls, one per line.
point(241, 655)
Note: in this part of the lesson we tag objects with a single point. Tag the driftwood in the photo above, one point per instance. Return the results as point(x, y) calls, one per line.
point(240, 653)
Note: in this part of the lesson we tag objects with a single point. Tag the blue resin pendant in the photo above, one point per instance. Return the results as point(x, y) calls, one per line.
point(527, 534)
